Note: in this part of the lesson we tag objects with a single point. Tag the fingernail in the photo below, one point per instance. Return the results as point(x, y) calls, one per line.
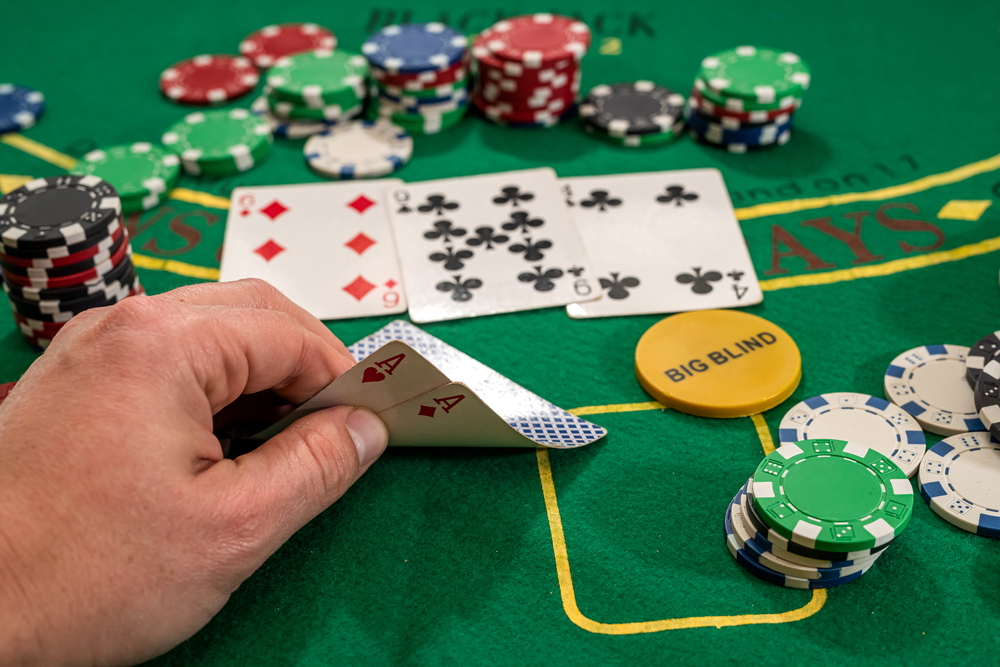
point(369, 434)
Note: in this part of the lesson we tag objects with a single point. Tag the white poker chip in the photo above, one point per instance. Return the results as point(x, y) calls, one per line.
point(960, 480)
point(929, 383)
point(359, 149)
point(866, 420)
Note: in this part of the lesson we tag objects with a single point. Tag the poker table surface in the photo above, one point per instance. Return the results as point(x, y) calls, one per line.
point(875, 230)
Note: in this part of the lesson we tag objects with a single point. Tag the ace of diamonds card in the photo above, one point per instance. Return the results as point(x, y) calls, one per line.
point(661, 242)
point(326, 246)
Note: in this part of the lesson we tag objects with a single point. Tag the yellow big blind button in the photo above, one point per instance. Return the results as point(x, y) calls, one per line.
point(718, 363)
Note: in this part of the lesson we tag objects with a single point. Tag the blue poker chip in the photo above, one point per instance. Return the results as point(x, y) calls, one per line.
point(708, 129)
point(745, 536)
point(773, 576)
point(415, 47)
point(19, 107)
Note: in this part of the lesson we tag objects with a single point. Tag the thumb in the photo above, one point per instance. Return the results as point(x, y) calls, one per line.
point(308, 466)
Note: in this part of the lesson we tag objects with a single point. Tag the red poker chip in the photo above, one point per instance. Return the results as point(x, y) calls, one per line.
point(209, 79)
point(66, 269)
point(504, 114)
point(536, 39)
point(493, 67)
point(74, 279)
point(268, 44)
point(103, 246)
point(707, 106)
point(28, 325)
point(422, 80)
point(493, 92)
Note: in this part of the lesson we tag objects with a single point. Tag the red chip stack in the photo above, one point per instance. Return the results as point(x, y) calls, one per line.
point(529, 69)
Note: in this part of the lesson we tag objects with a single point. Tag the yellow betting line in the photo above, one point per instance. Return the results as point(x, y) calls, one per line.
point(173, 266)
point(565, 576)
point(926, 183)
point(884, 269)
point(41, 151)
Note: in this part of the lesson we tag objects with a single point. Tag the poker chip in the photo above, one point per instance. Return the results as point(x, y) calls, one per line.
point(737, 530)
point(736, 104)
point(359, 149)
point(929, 383)
point(979, 354)
point(860, 418)
point(707, 107)
point(319, 79)
point(714, 131)
point(114, 251)
point(294, 112)
point(987, 396)
point(286, 128)
point(636, 140)
point(267, 45)
point(757, 74)
point(219, 142)
point(832, 494)
point(960, 480)
point(420, 74)
point(59, 210)
point(754, 526)
point(64, 249)
point(529, 70)
point(20, 107)
point(104, 245)
point(66, 280)
point(142, 173)
point(640, 107)
point(537, 39)
point(209, 79)
point(415, 47)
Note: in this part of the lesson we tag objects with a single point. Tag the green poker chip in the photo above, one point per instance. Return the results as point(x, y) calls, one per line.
point(423, 123)
point(217, 142)
point(790, 102)
point(755, 74)
point(407, 97)
point(333, 113)
point(832, 495)
point(318, 79)
point(136, 170)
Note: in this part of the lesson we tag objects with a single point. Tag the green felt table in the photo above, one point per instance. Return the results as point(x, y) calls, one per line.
point(870, 232)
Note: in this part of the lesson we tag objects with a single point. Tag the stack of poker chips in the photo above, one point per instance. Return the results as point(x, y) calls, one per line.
point(744, 98)
point(309, 92)
point(63, 250)
point(817, 513)
point(420, 74)
point(529, 69)
point(635, 114)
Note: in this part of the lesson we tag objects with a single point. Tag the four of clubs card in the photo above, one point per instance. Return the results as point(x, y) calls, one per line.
point(327, 246)
point(661, 242)
point(489, 244)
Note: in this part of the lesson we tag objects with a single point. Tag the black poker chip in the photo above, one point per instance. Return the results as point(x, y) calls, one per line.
point(70, 293)
point(639, 107)
point(57, 211)
point(66, 270)
point(57, 251)
point(979, 355)
point(61, 311)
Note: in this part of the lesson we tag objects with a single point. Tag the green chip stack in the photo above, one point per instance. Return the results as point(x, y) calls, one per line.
point(317, 87)
point(743, 99)
point(817, 513)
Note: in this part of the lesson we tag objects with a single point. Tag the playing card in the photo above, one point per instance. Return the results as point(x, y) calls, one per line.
point(537, 420)
point(326, 246)
point(488, 244)
point(661, 242)
point(422, 407)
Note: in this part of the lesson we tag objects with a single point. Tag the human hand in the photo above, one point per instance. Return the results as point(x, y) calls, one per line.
point(123, 530)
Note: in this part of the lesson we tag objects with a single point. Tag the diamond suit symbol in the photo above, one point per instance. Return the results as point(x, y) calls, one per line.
point(269, 250)
point(358, 288)
point(274, 209)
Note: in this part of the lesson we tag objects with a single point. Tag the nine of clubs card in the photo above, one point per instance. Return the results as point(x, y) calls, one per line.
point(488, 244)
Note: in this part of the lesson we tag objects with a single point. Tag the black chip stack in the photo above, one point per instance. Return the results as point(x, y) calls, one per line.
point(63, 249)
